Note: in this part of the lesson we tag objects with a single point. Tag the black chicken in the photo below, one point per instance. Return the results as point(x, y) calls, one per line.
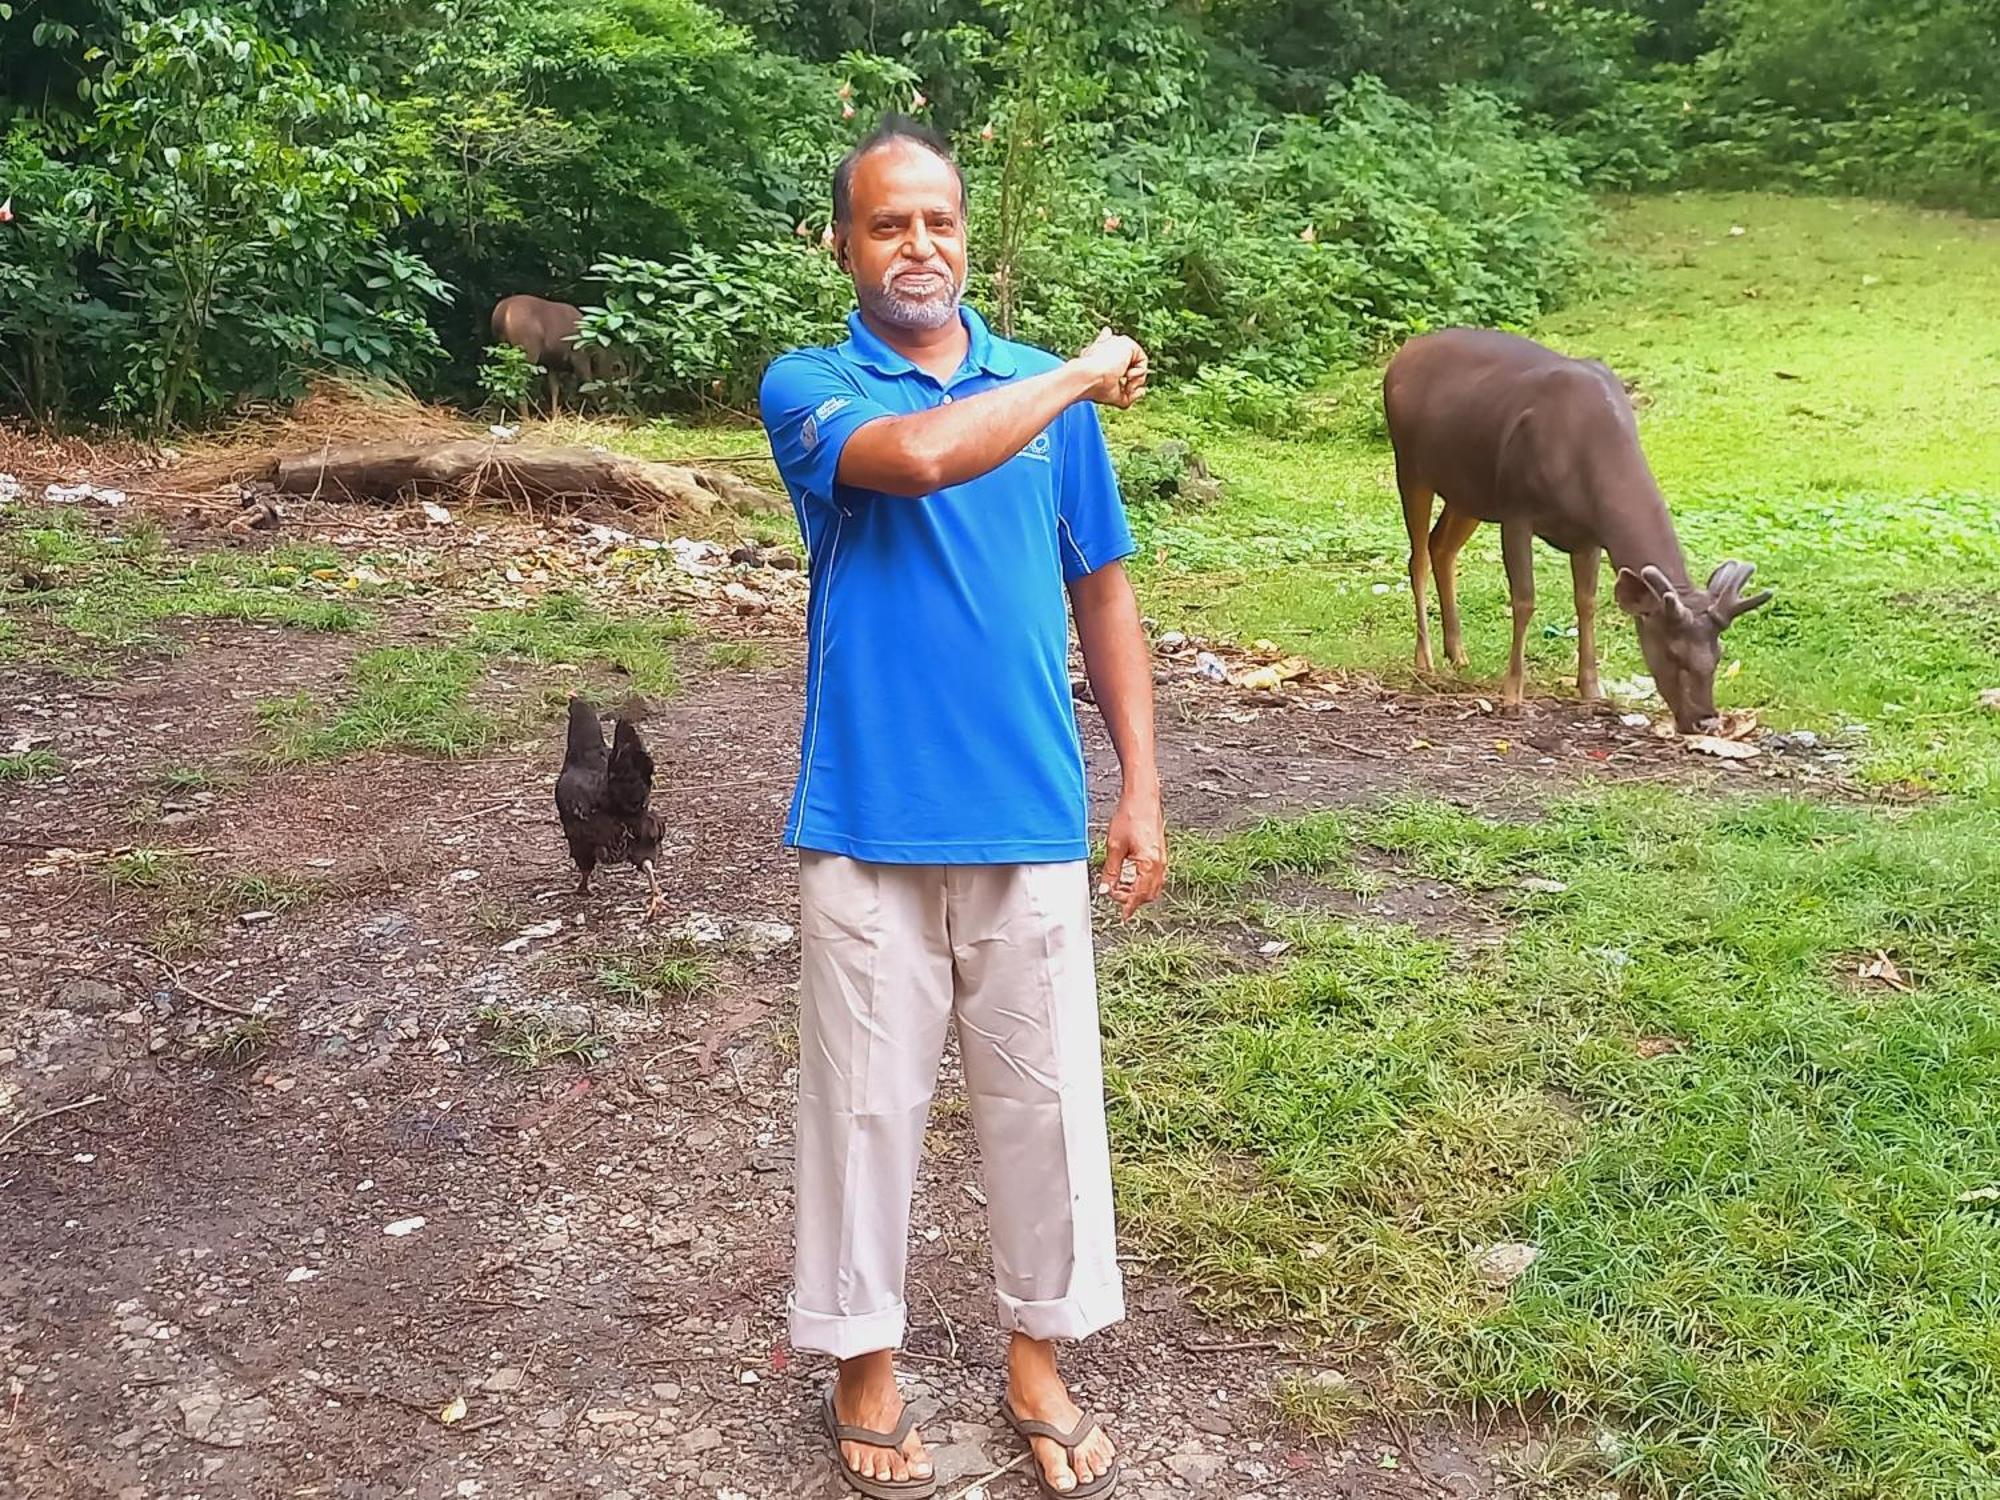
point(602, 799)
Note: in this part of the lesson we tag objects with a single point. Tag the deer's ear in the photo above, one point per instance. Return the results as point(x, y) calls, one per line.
point(1630, 590)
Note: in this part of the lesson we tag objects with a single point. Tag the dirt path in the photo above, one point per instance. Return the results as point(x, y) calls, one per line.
point(213, 1278)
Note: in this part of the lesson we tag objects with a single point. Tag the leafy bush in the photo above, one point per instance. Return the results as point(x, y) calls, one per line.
point(507, 376)
point(222, 229)
point(703, 325)
point(1284, 252)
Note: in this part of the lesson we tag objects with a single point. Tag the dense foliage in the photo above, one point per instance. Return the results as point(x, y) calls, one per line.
point(210, 201)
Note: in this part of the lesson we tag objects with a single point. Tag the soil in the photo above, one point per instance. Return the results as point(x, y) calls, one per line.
point(368, 1257)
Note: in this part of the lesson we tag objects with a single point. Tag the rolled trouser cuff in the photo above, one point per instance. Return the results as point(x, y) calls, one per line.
point(845, 1336)
point(1066, 1319)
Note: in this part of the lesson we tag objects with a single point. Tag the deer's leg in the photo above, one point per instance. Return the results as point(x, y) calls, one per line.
point(1586, 563)
point(1448, 538)
point(1517, 548)
point(1417, 520)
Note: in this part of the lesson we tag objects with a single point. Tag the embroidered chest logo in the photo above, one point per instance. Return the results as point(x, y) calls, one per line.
point(1039, 448)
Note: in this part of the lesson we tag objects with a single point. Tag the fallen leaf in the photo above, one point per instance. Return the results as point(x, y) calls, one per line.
point(454, 1411)
point(1503, 1265)
point(404, 1227)
point(1990, 698)
point(1541, 885)
point(1980, 1195)
point(1722, 749)
point(438, 515)
point(300, 1273)
point(1882, 968)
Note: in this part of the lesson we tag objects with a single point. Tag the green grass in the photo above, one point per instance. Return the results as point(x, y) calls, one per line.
point(399, 697)
point(421, 697)
point(1756, 1266)
point(189, 905)
point(1867, 490)
point(1323, 1405)
point(663, 976)
point(740, 656)
point(190, 778)
point(531, 1041)
point(109, 593)
point(239, 1043)
point(30, 765)
point(1755, 1174)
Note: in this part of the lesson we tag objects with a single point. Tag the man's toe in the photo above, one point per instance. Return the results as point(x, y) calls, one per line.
point(1055, 1464)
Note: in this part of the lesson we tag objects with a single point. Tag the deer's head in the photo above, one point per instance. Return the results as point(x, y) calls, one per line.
point(1680, 632)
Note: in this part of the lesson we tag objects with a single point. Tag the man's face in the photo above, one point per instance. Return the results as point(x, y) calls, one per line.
point(904, 242)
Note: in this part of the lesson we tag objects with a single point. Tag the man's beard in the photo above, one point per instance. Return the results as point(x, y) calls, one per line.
point(890, 304)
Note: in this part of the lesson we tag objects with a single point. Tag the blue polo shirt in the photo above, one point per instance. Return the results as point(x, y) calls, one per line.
point(939, 725)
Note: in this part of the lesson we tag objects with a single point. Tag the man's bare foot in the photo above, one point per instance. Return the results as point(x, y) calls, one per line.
point(1037, 1393)
point(865, 1395)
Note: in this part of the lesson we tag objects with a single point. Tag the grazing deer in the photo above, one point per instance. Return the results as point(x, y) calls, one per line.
point(1508, 431)
point(545, 331)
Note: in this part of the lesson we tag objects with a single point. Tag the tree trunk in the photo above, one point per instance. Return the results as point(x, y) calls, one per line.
point(477, 468)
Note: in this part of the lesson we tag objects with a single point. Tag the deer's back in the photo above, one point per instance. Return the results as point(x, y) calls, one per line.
point(535, 325)
point(1499, 426)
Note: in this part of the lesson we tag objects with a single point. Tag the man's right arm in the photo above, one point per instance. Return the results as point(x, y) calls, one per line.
point(918, 452)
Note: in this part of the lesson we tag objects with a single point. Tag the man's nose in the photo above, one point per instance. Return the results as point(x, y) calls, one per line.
point(919, 245)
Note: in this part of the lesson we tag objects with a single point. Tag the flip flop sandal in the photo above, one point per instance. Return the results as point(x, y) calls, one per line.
point(1069, 1442)
point(875, 1489)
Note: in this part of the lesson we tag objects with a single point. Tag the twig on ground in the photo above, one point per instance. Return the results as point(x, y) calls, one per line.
point(1400, 1431)
point(48, 1114)
point(1247, 1346)
point(950, 1332)
point(985, 1479)
point(1358, 749)
point(174, 978)
point(510, 804)
point(180, 1431)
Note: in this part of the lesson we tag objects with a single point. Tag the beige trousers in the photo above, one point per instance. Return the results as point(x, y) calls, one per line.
point(891, 954)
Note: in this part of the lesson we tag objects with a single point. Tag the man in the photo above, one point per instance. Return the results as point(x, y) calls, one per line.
point(951, 486)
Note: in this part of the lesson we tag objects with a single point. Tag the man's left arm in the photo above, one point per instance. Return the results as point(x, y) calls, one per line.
point(1095, 539)
point(1120, 667)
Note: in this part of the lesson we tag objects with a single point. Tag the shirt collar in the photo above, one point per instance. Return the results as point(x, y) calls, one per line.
point(985, 352)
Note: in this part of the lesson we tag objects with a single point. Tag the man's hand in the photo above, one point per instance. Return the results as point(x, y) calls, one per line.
point(1138, 837)
point(1115, 367)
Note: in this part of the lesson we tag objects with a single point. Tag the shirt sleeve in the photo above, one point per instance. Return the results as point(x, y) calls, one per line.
point(1089, 514)
point(810, 410)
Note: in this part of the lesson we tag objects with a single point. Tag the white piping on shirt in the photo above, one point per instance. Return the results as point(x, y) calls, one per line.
point(819, 678)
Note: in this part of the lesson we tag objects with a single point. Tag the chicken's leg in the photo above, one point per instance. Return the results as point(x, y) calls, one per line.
point(653, 884)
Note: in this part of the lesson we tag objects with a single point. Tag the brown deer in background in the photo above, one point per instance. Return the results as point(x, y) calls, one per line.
point(1547, 446)
point(545, 331)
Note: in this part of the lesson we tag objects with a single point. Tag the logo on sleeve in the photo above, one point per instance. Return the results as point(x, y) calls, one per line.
point(1039, 448)
point(809, 433)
